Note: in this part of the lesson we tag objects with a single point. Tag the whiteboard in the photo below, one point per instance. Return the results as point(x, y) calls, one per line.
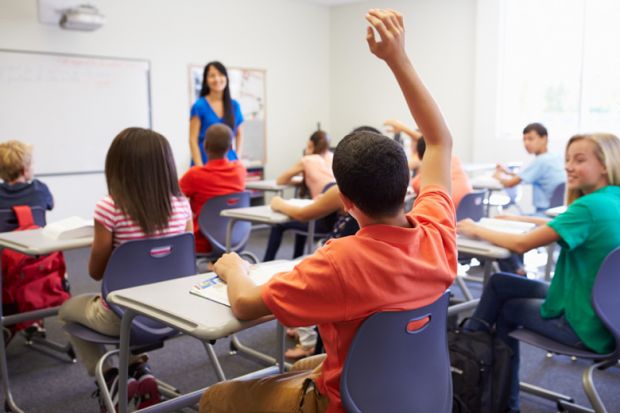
point(71, 107)
point(248, 87)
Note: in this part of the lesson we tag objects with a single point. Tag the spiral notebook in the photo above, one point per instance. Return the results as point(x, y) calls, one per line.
point(214, 289)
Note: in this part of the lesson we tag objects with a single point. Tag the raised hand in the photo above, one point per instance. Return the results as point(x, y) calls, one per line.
point(389, 24)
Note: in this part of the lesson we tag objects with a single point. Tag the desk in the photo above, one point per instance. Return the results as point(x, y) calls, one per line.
point(31, 242)
point(171, 303)
point(479, 249)
point(265, 215)
point(266, 185)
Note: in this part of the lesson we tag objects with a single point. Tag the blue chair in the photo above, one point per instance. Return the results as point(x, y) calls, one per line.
point(605, 303)
point(471, 206)
point(135, 263)
point(557, 197)
point(213, 226)
point(8, 220)
point(396, 364)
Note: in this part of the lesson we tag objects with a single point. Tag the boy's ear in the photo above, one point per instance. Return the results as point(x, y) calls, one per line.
point(348, 204)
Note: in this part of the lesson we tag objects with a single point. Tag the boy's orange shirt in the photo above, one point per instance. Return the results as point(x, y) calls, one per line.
point(201, 183)
point(380, 268)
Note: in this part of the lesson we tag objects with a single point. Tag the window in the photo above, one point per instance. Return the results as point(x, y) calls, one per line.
point(559, 63)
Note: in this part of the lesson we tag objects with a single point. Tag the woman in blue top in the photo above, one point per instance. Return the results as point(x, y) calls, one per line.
point(214, 106)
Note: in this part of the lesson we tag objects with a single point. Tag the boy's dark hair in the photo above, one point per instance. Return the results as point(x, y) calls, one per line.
point(536, 127)
point(421, 147)
point(366, 128)
point(141, 177)
point(218, 139)
point(371, 170)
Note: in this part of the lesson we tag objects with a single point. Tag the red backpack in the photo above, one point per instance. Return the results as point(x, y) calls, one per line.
point(31, 283)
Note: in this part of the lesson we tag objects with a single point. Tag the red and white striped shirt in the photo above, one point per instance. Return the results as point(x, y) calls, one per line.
point(123, 228)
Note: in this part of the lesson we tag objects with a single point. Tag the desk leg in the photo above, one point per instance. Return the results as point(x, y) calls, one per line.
point(4, 370)
point(280, 347)
point(550, 261)
point(488, 267)
point(229, 228)
point(310, 240)
point(123, 363)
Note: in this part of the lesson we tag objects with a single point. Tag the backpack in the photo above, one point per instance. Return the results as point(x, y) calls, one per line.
point(480, 365)
point(31, 283)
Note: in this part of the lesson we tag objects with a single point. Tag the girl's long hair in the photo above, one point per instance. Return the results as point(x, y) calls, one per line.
point(229, 113)
point(142, 177)
point(607, 151)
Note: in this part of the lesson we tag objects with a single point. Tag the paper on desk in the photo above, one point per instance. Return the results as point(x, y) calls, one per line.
point(505, 225)
point(69, 228)
point(214, 289)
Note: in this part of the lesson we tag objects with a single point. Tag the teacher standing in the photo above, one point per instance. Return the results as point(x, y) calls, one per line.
point(214, 106)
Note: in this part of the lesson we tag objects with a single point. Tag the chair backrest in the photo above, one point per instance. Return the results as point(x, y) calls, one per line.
point(605, 296)
point(471, 206)
point(213, 226)
point(557, 197)
point(8, 220)
point(148, 261)
point(400, 359)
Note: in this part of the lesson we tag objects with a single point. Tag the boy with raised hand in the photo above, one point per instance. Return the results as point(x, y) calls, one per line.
point(396, 261)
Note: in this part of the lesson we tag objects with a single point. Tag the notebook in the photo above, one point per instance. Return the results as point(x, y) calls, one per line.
point(214, 289)
point(69, 228)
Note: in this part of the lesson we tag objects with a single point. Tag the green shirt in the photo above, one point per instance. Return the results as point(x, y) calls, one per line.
point(589, 230)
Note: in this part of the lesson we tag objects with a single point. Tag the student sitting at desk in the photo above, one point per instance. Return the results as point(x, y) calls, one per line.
point(131, 211)
point(218, 176)
point(586, 232)
point(349, 278)
point(316, 167)
point(545, 173)
point(18, 186)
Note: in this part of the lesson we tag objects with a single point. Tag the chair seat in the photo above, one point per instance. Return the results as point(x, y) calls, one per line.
point(92, 336)
point(552, 346)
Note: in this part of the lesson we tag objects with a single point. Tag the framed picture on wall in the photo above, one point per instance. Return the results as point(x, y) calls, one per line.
point(248, 87)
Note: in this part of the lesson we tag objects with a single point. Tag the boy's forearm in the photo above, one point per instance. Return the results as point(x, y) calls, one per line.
point(421, 104)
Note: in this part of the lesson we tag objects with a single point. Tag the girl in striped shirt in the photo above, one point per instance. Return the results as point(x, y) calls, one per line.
point(144, 201)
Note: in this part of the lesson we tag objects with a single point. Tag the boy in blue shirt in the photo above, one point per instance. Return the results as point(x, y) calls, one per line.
point(545, 173)
point(18, 187)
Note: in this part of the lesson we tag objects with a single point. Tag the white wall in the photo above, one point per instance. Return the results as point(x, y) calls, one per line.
point(441, 43)
point(290, 39)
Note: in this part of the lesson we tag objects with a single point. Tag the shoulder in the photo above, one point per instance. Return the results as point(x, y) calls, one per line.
point(106, 204)
point(235, 104)
point(434, 205)
point(199, 107)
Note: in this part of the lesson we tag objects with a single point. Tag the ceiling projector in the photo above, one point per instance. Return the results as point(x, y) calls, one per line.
point(84, 17)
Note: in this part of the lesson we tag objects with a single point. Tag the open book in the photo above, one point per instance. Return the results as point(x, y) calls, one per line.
point(504, 225)
point(213, 288)
point(69, 228)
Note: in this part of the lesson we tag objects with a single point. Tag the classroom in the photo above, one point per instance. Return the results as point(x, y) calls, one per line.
point(490, 72)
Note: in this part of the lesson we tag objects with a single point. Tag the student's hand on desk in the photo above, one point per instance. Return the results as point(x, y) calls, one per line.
point(389, 24)
point(466, 227)
point(276, 203)
point(229, 263)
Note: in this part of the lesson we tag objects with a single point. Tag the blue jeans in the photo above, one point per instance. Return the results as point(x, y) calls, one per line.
point(509, 301)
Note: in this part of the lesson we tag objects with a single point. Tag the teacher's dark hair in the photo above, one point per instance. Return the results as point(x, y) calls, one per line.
point(142, 177)
point(229, 113)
